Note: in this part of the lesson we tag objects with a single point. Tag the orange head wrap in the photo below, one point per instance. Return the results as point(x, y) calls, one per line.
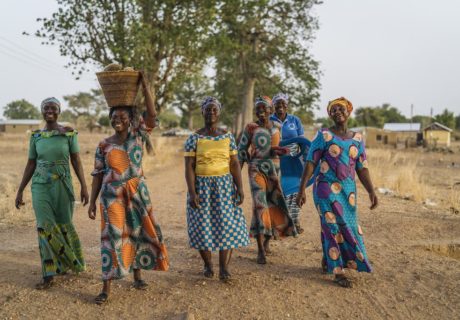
point(341, 101)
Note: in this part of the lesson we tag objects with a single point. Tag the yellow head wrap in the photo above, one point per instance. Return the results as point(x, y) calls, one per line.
point(341, 101)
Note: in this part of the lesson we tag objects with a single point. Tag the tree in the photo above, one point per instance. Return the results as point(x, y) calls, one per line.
point(424, 121)
point(378, 116)
point(457, 122)
point(86, 107)
point(265, 43)
point(169, 119)
point(67, 116)
point(21, 109)
point(165, 38)
point(187, 98)
point(446, 118)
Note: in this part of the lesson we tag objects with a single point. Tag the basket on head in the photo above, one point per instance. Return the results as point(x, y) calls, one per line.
point(119, 87)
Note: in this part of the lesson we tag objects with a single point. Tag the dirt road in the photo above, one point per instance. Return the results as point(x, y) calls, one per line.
point(415, 252)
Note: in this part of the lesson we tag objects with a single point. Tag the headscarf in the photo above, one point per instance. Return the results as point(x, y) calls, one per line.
point(280, 96)
point(340, 101)
point(263, 99)
point(50, 100)
point(210, 100)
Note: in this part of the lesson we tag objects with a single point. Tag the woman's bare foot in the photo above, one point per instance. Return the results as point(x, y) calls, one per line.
point(47, 283)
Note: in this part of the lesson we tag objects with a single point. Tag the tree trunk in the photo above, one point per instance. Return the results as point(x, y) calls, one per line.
point(248, 101)
point(190, 120)
point(238, 123)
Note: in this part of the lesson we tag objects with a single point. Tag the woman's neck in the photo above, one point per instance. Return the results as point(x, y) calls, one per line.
point(283, 117)
point(340, 128)
point(265, 123)
point(121, 136)
point(51, 126)
point(210, 128)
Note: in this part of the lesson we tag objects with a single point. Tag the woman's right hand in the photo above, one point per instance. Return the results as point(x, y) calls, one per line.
point(194, 200)
point(19, 202)
point(301, 198)
point(92, 211)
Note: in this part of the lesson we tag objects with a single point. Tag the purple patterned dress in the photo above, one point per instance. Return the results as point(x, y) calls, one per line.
point(334, 194)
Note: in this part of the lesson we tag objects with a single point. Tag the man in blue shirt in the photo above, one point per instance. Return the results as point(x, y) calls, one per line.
point(291, 166)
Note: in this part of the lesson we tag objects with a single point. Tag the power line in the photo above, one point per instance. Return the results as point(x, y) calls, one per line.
point(27, 50)
point(26, 56)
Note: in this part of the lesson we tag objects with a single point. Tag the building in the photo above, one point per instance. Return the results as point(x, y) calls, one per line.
point(373, 137)
point(437, 135)
point(403, 134)
point(19, 125)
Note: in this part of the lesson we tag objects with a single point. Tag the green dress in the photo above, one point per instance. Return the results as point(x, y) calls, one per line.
point(53, 201)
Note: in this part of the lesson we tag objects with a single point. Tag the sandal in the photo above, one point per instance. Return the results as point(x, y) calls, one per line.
point(47, 283)
point(344, 282)
point(208, 272)
point(261, 259)
point(225, 276)
point(300, 230)
point(323, 266)
point(140, 284)
point(101, 298)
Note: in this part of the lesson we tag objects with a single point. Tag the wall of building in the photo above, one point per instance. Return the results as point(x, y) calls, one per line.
point(437, 137)
point(20, 128)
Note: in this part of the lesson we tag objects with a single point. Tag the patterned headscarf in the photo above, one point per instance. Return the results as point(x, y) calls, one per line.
point(341, 101)
point(210, 100)
point(280, 96)
point(50, 100)
point(263, 99)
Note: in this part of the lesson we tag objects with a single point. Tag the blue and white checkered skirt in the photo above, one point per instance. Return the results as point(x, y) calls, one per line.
point(218, 224)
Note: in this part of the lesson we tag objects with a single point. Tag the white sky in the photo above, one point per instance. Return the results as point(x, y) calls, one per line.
point(371, 51)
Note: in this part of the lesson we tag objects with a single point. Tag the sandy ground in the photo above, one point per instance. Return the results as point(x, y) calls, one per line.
point(415, 252)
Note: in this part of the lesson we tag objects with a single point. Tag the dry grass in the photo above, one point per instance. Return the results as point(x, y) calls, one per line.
point(398, 171)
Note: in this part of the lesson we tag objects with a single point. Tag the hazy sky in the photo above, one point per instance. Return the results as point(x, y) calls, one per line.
point(371, 51)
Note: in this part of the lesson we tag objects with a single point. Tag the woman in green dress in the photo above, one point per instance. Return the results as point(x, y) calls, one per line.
point(52, 194)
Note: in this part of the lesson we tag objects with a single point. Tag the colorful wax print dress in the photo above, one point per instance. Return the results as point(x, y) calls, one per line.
point(53, 201)
point(218, 224)
point(334, 194)
point(270, 212)
point(130, 235)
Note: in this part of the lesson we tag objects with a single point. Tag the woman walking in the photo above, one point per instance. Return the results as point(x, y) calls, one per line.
point(340, 153)
point(292, 134)
point(52, 194)
point(270, 217)
point(215, 192)
point(131, 238)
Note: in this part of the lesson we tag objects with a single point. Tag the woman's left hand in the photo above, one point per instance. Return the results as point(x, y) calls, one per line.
point(84, 196)
point(239, 197)
point(374, 200)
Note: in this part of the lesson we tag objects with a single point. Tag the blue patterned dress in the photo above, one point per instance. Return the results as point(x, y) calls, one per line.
point(218, 224)
point(334, 194)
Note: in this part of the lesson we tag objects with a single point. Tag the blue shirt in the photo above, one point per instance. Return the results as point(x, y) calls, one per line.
point(291, 127)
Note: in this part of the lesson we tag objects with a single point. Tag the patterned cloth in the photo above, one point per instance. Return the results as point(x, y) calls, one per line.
point(264, 99)
point(270, 212)
point(131, 238)
point(50, 100)
point(294, 209)
point(210, 100)
point(218, 224)
point(53, 201)
point(334, 194)
point(341, 101)
point(280, 96)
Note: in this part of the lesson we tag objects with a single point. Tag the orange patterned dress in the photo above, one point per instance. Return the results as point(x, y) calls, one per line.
point(130, 235)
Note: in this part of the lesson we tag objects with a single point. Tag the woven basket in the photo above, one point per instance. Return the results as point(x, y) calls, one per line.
point(119, 87)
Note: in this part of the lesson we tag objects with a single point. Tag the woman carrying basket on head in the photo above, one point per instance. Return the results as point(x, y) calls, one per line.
point(131, 238)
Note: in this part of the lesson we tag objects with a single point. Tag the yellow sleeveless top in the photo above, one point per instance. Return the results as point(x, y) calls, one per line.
point(212, 153)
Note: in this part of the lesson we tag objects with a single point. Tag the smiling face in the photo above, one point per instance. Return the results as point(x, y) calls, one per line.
point(339, 114)
point(211, 114)
point(50, 112)
point(263, 111)
point(281, 109)
point(120, 120)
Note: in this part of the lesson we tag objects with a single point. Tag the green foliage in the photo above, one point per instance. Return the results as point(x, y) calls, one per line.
point(424, 121)
point(86, 107)
point(306, 116)
point(378, 116)
point(169, 119)
point(104, 120)
point(446, 118)
point(165, 38)
point(67, 116)
point(457, 122)
point(21, 109)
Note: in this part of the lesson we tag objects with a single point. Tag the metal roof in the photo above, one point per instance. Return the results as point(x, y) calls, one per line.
point(21, 121)
point(411, 127)
point(437, 125)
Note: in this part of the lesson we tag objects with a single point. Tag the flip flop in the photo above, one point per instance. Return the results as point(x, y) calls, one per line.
point(101, 298)
point(140, 284)
point(44, 285)
point(344, 282)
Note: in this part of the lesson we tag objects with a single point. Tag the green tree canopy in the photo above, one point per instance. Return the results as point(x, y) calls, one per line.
point(446, 118)
point(21, 109)
point(86, 107)
point(378, 116)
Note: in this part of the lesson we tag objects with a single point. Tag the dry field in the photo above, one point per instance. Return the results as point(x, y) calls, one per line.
point(413, 241)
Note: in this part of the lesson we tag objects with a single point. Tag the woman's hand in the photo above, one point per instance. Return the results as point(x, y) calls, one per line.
point(92, 211)
point(84, 196)
point(19, 202)
point(374, 200)
point(194, 200)
point(239, 197)
point(280, 151)
point(301, 198)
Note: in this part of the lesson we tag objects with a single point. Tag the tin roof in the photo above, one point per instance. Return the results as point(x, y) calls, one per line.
point(410, 127)
point(437, 126)
point(21, 121)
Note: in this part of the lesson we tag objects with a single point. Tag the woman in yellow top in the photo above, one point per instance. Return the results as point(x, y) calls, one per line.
point(215, 190)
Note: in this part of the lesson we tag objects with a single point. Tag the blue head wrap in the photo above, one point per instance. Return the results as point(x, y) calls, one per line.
point(210, 100)
point(50, 100)
point(280, 96)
